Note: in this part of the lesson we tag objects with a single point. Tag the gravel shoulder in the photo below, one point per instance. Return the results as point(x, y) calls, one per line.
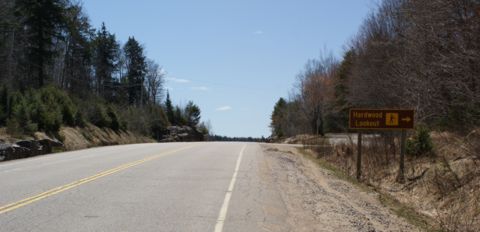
point(318, 201)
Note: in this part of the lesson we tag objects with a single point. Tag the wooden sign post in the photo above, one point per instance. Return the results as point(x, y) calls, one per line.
point(382, 119)
point(359, 156)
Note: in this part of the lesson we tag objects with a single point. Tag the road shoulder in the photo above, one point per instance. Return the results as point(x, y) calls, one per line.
point(317, 200)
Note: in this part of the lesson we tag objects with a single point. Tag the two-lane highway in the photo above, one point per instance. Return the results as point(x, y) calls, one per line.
point(143, 187)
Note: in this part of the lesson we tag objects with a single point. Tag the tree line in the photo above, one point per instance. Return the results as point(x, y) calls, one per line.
point(221, 138)
point(423, 55)
point(56, 69)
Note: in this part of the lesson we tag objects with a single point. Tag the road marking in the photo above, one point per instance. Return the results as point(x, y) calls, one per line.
point(57, 190)
point(223, 211)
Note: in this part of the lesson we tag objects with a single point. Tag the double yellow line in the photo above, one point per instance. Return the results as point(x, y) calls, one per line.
point(57, 190)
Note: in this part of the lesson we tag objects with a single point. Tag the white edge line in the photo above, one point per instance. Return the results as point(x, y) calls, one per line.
point(223, 211)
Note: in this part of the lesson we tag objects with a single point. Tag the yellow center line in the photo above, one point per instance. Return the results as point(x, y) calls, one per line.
point(57, 190)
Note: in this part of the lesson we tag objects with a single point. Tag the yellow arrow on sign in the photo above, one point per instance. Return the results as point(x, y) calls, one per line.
point(407, 119)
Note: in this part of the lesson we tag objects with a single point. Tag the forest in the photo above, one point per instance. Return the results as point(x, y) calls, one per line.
point(57, 70)
point(421, 55)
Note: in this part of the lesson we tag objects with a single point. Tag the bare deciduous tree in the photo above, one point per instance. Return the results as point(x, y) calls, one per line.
point(315, 90)
point(155, 79)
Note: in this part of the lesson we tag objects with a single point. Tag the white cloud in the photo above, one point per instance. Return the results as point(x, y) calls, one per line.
point(258, 32)
point(200, 88)
point(224, 108)
point(178, 80)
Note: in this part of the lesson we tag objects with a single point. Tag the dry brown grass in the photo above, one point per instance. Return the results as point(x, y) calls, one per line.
point(92, 136)
point(81, 138)
point(444, 186)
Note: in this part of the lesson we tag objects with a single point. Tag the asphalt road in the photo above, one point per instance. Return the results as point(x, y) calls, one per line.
point(143, 187)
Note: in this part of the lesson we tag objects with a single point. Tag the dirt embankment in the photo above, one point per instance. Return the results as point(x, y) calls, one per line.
point(92, 136)
point(318, 201)
point(80, 138)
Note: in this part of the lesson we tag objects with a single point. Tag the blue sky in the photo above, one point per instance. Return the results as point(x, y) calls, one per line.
point(232, 58)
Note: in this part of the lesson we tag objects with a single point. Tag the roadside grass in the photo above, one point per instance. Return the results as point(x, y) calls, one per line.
point(400, 209)
point(333, 169)
point(58, 150)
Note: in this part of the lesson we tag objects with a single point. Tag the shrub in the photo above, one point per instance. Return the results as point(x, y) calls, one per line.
point(98, 116)
point(68, 115)
point(18, 129)
point(136, 120)
point(20, 111)
point(79, 119)
point(30, 127)
point(158, 129)
point(13, 127)
point(420, 143)
point(21, 116)
point(50, 108)
point(45, 109)
point(114, 122)
point(49, 119)
point(203, 129)
point(159, 122)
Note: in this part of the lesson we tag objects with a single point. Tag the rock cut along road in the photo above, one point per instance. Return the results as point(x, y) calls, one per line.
point(162, 187)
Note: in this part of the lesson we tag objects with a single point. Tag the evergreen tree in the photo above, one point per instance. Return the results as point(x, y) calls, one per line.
point(278, 118)
point(8, 25)
point(106, 58)
point(169, 110)
point(179, 117)
point(78, 54)
point(341, 81)
point(337, 117)
point(136, 70)
point(192, 114)
point(42, 21)
point(159, 122)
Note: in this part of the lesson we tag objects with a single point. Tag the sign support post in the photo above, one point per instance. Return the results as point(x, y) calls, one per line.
point(401, 170)
point(382, 119)
point(359, 156)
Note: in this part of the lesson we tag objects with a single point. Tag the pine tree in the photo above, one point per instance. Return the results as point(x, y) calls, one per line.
point(278, 118)
point(179, 117)
point(338, 117)
point(42, 21)
point(192, 114)
point(341, 81)
point(106, 59)
point(8, 24)
point(78, 54)
point(169, 110)
point(136, 70)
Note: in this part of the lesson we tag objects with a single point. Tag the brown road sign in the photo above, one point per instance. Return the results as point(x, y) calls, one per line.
point(381, 119)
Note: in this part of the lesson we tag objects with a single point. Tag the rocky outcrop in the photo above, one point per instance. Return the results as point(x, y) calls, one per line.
point(10, 151)
point(182, 134)
point(33, 146)
point(27, 148)
point(89, 136)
